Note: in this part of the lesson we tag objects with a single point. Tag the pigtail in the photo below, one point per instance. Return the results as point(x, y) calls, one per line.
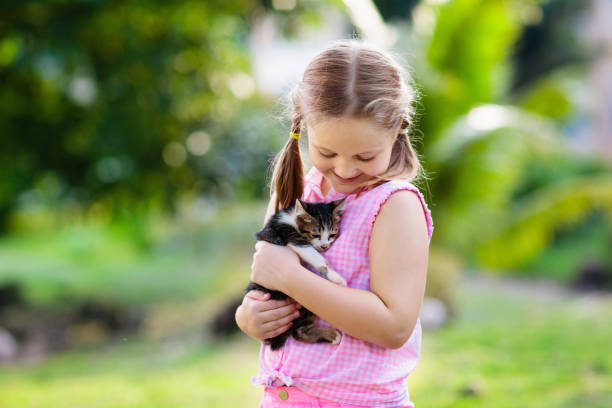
point(288, 174)
point(404, 161)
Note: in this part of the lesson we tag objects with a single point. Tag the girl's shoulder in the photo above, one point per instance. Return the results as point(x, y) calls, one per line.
point(383, 190)
point(399, 203)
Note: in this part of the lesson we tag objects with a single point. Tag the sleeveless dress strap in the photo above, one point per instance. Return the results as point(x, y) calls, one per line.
point(397, 185)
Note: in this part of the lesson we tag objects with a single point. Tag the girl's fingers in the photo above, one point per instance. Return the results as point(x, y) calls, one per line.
point(265, 297)
point(283, 321)
point(270, 303)
point(277, 331)
point(275, 304)
point(258, 295)
point(278, 313)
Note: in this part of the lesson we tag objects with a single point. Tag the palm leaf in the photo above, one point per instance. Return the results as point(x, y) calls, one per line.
point(535, 218)
point(482, 120)
point(480, 159)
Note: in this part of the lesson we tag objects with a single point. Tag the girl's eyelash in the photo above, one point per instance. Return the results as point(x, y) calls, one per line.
point(329, 156)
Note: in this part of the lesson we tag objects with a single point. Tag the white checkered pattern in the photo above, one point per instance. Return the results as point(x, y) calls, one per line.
point(354, 371)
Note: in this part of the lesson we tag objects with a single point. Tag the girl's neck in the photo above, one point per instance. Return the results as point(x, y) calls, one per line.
point(324, 187)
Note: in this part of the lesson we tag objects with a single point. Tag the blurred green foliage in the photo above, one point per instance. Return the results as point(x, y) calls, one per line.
point(574, 248)
point(112, 113)
point(133, 262)
point(485, 140)
point(130, 104)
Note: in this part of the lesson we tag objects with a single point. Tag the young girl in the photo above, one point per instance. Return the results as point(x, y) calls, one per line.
point(357, 107)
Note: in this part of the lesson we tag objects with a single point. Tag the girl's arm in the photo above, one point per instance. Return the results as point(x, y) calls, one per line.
point(386, 314)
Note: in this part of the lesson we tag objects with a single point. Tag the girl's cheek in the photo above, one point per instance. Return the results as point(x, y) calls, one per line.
point(319, 161)
point(374, 169)
point(380, 166)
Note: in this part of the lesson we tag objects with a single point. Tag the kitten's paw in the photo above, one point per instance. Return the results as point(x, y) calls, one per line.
point(337, 338)
point(336, 278)
point(323, 270)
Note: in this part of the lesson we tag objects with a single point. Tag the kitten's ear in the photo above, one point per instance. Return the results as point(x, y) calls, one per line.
point(300, 212)
point(339, 205)
point(299, 208)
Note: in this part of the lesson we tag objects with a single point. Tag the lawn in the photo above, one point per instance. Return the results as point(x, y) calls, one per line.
point(510, 346)
point(516, 345)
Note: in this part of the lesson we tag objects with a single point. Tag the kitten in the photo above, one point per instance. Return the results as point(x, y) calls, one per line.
point(306, 228)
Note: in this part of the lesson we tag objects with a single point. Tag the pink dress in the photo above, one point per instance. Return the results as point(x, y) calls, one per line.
point(354, 371)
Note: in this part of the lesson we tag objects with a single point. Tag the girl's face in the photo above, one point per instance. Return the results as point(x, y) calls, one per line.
point(349, 151)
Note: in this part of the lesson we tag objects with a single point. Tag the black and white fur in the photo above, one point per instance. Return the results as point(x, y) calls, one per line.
point(306, 228)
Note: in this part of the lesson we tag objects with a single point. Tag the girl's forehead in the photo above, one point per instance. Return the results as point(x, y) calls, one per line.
point(354, 134)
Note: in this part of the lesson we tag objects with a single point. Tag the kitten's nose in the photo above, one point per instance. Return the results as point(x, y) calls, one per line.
point(324, 246)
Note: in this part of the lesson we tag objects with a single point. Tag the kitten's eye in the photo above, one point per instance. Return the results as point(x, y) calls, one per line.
point(333, 235)
point(316, 236)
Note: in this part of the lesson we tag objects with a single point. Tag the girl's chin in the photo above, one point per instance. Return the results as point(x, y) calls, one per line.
point(346, 188)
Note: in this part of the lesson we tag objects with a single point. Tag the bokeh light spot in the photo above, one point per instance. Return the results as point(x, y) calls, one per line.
point(242, 85)
point(198, 143)
point(174, 154)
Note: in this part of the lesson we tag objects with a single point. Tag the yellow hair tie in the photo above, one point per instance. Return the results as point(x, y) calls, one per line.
point(296, 136)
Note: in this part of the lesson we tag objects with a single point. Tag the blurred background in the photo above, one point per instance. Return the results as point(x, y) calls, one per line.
point(135, 140)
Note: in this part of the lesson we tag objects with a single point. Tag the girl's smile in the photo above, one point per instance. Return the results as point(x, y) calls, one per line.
point(349, 151)
point(346, 181)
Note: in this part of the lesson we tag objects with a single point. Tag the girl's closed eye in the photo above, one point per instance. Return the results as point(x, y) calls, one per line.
point(329, 156)
point(365, 160)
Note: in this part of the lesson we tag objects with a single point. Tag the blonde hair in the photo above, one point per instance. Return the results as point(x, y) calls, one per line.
point(349, 79)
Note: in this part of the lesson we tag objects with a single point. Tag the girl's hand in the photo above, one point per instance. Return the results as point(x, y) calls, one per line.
point(262, 318)
point(271, 263)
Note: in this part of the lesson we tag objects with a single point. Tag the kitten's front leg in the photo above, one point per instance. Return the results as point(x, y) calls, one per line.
point(309, 254)
point(332, 275)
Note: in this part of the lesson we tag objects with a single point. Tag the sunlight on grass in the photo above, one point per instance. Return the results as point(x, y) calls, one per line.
point(505, 349)
point(508, 350)
point(136, 376)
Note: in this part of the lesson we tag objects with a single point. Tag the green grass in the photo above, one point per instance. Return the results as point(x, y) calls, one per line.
point(137, 375)
point(522, 350)
point(511, 348)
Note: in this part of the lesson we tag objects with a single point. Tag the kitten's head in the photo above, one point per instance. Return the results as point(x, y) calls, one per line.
point(319, 222)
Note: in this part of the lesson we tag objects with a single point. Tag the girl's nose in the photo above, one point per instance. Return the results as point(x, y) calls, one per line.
point(344, 171)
